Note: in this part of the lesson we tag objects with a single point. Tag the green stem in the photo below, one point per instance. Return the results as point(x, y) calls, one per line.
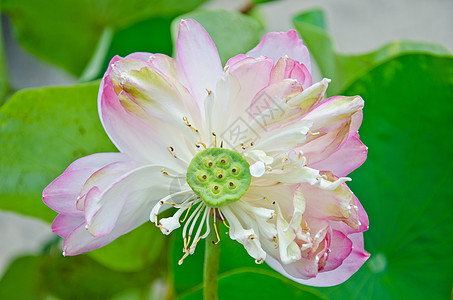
point(211, 267)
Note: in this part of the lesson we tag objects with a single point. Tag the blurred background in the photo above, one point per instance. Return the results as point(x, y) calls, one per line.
point(356, 27)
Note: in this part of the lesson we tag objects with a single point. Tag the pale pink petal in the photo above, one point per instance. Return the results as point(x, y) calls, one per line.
point(303, 268)
point(363, 218)
point(336, 205)
point(289, 68)
point(64, 224)
point(334, 112)
point(235, 92)
point(61, 194)
point(235, 59)
point(143, 56)
point(197, 58)
point(137, 137)
point(164, 64)
point(349, 266)
point(266, 106)
point(127, 196)
point(104, 177)
point(340, 248)
point(280, 44)
point(346, 159)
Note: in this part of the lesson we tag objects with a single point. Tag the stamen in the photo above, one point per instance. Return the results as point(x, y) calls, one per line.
point(188, 124)
point(259, 261)
point(195, 214)
point(164, 172)
point(187, 213)
point(215, 139)
point(202, 144)
point(283, 162)
point(223, 219)
point(216, 232)
point(267, 199)
point(171, 149)
point(313, 133)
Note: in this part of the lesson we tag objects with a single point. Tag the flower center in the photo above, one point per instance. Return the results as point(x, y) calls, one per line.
point(219, 176)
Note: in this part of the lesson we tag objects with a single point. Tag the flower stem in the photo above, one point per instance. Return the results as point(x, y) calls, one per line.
point(211, 267)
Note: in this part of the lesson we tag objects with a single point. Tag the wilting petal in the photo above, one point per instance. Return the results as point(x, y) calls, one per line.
point(197, 58)
point(281, 44)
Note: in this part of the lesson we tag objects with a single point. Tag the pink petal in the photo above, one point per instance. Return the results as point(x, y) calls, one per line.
point(235, 92)
point(143, 56)
point(235, 59)
point(363, 218)
point(126, 197)
point(349, 266)
point(123, 206)
point(336, 205)
point(266, 100)
point(346, 159)
point(64, 224)
point(197, 58)
point(280, 44)
point(164, 64)
point(104, 177)
point(250, 85)
point(61, 194)
point(330, 278)
point(288, 68)
point(341, 247)
point(332, 113)
point(136, 136)
point(302, 268)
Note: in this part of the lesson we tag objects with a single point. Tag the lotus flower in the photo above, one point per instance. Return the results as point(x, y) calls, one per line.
point(253, 146)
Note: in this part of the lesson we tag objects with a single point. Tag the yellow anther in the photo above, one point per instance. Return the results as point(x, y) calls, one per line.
point(283, 162)
point(202, 144)
point(171, 149)
point(215, 139)
point(186, 121)
point(259, 261)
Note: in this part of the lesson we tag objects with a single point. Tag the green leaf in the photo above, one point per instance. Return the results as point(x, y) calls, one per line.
point(66, 33)
point(404, 184)
point(4, 81)
point(135, 251)
point(252, 284)
point(233, 33)
point(42, 131)
point(345, 69)
point(35, 277)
